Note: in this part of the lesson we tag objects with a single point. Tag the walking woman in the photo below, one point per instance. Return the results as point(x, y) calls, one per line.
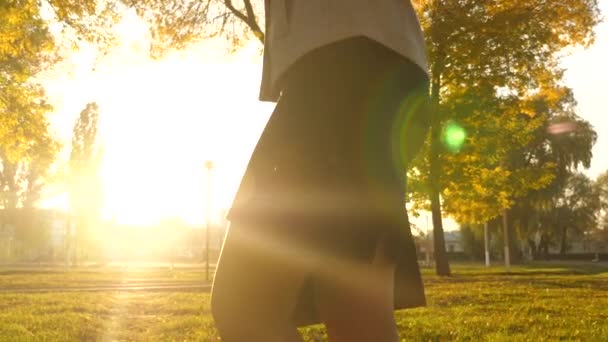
point(318, 229)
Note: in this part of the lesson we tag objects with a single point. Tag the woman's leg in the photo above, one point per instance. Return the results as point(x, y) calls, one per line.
point(255, 287)
point(362, 309)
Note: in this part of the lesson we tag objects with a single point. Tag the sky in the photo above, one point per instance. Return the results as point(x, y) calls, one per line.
point(161, 120)
point(586, 74)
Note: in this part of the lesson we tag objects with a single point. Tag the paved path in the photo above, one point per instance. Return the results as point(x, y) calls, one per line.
point(204, 287)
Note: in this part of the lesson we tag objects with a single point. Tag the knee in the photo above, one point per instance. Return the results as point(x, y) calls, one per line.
point(233, 311)
point(216, 307)
point(237, 321)
point(225, 317)
point(223, 308)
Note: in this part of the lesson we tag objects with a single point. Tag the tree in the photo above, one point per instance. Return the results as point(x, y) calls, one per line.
point(176, 23)
point(472, 241)
point(600, 233)
point(84, 181)
point(25, 49)
point(576, 208)
point(485, 48)
point(27, 148)
point(506, 46)
point(602, 188)
point(30, 42)
point(25, 45)
point(565, 141)
point(33, 32)
point(27, 151)
point(173, 23)
point(28, 45)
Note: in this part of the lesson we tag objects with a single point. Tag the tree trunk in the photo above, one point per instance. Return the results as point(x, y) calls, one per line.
point(514, 246)
point(563, 245)
point(544, 247)
point(533, 248)
point(514, 249)
point(442, 265)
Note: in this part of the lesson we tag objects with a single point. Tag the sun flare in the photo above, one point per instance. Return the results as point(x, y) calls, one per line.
point(160, 120)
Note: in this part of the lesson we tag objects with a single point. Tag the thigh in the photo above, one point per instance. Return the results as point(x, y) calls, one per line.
point(257, 277)
point(359, 307)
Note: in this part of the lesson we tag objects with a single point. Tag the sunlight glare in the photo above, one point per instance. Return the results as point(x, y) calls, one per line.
point(161, 119)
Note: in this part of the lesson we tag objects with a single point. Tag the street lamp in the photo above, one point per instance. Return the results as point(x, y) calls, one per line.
point(505, 225)
point(486, 243)
point(209, 167)
point(429, 243)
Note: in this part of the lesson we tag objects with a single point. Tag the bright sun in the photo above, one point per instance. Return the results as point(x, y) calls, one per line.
point(161, 120)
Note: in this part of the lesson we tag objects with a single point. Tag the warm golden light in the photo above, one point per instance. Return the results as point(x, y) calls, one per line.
point(160, 120)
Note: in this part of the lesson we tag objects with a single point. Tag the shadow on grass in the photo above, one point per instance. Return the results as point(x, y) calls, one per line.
point(532, 269)
point(595, 284)
point(541, 275)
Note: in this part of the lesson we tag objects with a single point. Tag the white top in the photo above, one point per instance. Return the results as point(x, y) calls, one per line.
point(296, 27)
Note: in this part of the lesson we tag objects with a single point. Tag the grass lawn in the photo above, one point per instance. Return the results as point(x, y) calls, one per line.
point(538, 302)
point(53, 277)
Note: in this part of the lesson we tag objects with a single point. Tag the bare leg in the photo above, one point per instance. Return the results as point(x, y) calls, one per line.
point(255, 289)
point(361, 310)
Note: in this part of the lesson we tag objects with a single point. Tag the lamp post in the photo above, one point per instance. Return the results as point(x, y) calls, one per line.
point(429, 243)
point(505, 223)
point(208, 166)
point(486, 243)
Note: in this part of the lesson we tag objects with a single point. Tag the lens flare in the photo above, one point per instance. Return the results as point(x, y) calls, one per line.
point(562, 128)
point(453, 136)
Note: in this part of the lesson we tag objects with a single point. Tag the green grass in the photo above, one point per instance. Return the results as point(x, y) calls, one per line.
point(529, 304)
point(532, 303)
point(83, 277)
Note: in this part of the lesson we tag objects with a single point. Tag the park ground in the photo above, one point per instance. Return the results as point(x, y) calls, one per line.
point(536, 302)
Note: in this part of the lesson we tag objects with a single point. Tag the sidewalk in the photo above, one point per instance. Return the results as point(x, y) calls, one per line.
point(204, 287)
